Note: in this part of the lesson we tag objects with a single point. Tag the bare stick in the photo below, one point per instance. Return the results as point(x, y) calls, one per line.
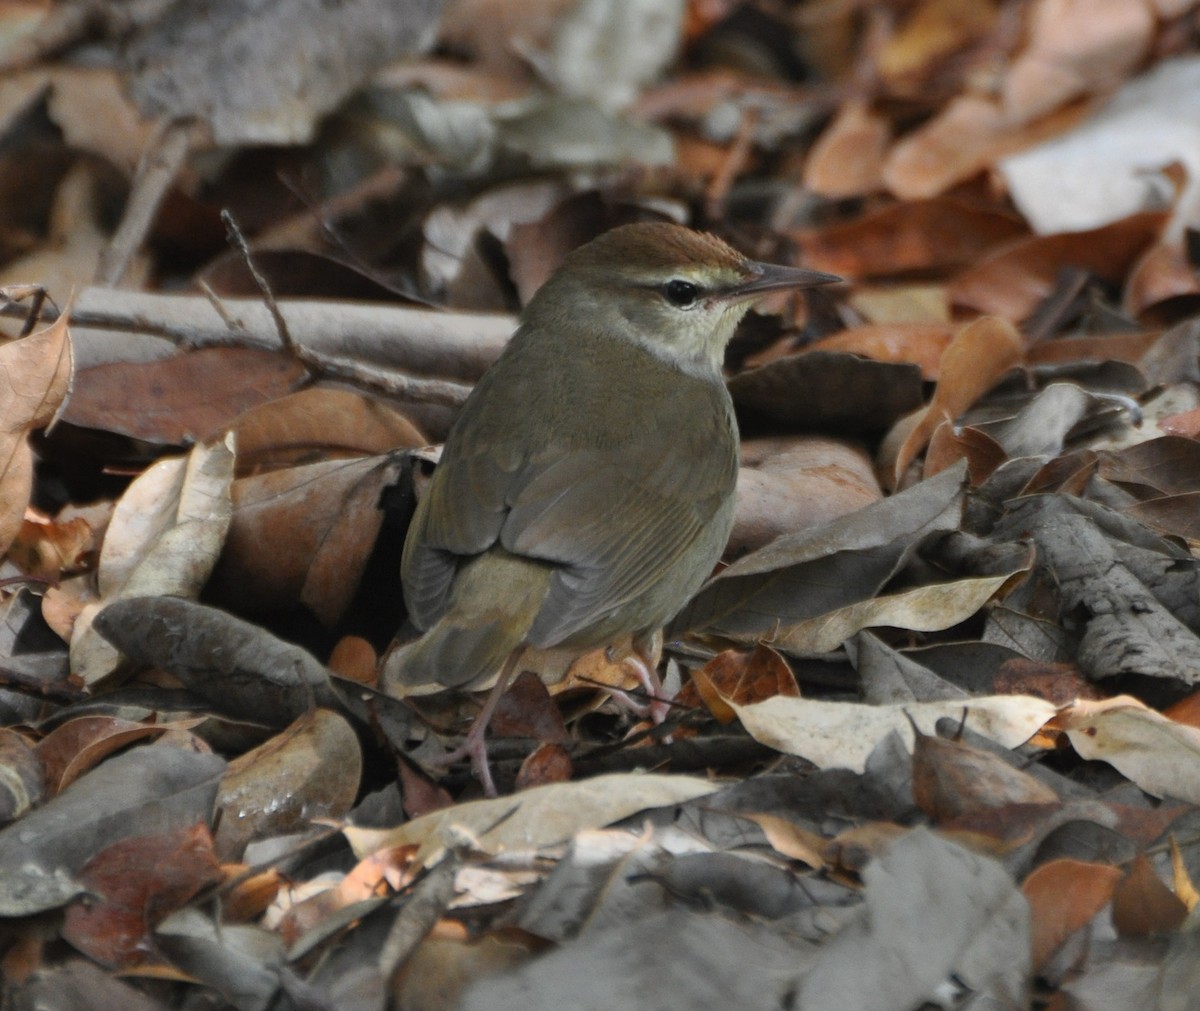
point(159, 166)
point(416, 354)
point(243, 247)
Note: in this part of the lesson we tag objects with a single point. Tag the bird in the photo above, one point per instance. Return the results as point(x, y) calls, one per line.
point(586, 489)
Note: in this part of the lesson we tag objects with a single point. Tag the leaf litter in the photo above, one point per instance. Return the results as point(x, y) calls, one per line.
point(933, 738)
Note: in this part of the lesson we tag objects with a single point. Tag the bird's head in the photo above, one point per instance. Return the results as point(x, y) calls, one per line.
point(678, 293)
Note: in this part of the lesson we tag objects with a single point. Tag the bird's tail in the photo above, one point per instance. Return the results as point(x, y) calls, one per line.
point(495, 600)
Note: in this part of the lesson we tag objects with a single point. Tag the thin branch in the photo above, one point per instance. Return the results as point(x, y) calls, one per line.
point(238, 239)
point(159, 166)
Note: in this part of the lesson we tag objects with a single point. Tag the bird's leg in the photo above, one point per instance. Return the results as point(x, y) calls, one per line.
point(642, 665)
point(474, 746)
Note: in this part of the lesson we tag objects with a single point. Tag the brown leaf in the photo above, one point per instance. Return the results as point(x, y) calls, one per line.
point(1161, 273)
point(949, 444)
point(846, 160)
point(933, 31)
point(830, 391)
point(952, 779)
point(354, 659)
point(138, 882)
point(739, 676)
point(302, 535)
point(1143, 906)
point(1060, 683)
point(144, 790)
point(48, 549)
point(1012, 281)
point(183, 398)
point(548, 763)
point(942, 232)
point(786, 485)
point(921, 344)
point(1075, 50)
point(1185, 424)
point(1155, 468)
point(309, 771)
point(319, 424)
point(980, 353)
point(1064, 895)
point(77, 745)
point(1098, 348)
point(37, 375)
point(956, 144)
point(525, 710)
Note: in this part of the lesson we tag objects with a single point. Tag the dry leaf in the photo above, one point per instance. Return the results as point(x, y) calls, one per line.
point(1063, 896)
point(842, 735)
point(980, 353)
point(1159, 755)
point(542, 816)
point(164, 538)
point(37, 376)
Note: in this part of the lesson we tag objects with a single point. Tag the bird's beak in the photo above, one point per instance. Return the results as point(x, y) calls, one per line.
point(765, 277)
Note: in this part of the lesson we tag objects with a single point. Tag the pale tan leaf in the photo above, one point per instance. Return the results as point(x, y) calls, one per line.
point(842, 735)
point(1158, 754)
point(922, 609)
point(542, 816)
point(164, 538)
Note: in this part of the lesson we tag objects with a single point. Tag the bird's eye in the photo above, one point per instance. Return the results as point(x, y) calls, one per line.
point(681, 294)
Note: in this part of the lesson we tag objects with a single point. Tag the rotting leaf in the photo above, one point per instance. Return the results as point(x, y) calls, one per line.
point(134, 883)
point(146, 789)
point(309, 770)
point(240, 668)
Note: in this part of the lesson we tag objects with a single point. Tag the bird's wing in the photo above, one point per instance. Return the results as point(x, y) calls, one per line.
point(460, 516)
point(615, 522)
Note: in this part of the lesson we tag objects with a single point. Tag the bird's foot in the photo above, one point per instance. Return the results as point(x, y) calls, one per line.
point(474, 747)
point(659, 706)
